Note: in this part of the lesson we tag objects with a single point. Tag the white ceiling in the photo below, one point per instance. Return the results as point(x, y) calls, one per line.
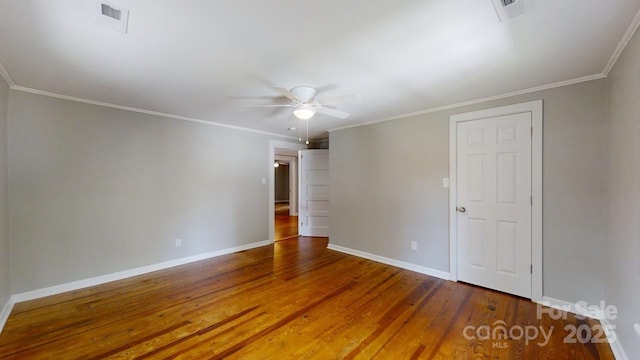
point(207, 59)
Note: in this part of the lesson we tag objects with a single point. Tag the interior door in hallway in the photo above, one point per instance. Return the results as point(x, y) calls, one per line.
point(314, 193)
point(494, 203)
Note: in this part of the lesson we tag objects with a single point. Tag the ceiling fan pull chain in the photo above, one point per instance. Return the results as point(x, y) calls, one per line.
point(307, 133)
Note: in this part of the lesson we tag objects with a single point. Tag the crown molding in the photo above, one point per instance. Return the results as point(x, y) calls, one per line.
point(12, 85)
point(478, 101)
point(635, 23)
point(144, 111)
point(7, 78)
point(622, 44)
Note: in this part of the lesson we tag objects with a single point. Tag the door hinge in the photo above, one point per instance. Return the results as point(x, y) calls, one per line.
point(532, 131)
point(531, 268)
point(531, 200)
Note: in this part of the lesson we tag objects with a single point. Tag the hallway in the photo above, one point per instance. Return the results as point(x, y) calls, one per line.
point(285, 226)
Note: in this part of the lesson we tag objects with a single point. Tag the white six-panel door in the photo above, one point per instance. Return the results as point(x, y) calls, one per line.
point(314, 192)
point(494, 203)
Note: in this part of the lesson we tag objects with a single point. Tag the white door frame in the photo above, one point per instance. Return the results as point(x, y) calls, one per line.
point(273, 144)
point(536, 110)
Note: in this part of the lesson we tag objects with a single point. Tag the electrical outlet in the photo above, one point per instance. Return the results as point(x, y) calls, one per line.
point(636, 328)
point(178, 242)
point(414, 245)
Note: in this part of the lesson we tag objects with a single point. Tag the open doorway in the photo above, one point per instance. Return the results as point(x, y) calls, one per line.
point(283, 212)
point(285, 194)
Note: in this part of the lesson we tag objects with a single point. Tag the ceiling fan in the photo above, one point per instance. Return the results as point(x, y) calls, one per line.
point(306, 105)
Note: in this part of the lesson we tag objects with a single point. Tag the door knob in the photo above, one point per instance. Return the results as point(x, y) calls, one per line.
point(462, 209)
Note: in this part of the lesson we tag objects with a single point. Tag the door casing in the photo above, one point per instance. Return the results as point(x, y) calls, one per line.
point(536, 110)
point(273, 144)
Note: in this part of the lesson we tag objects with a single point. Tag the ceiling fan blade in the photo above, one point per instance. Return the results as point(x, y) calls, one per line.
point(269, 105)
point(333, 112)
point(246, 97)
point(339, 99)
point(286, 93)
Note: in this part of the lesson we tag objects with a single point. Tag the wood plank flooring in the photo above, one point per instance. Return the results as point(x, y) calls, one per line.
point(285, 226)
point(291, 300)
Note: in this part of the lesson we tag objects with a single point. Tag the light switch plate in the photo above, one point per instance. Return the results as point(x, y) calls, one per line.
point(445, 182)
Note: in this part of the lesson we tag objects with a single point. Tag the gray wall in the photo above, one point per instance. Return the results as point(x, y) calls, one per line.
point(96, 190)
point(5, 288)
point(386, 188)
point(623, 240)
point(281, 180)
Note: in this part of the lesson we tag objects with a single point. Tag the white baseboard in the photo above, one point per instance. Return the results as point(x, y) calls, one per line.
point(616, 346)
point(6, 311)
point(401, 264)
point(80, 284)
point(571, 307)
point(574, 308)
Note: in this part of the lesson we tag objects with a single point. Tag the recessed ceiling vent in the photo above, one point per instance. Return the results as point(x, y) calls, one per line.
point(117, 14)
point(112, 16)
point(508, 9)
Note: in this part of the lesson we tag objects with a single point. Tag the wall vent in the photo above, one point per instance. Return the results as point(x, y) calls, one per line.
point(112, 16)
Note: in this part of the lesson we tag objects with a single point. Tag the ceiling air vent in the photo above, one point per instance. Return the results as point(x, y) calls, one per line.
point(112, 16)
point(507, 9)
point(117, 14)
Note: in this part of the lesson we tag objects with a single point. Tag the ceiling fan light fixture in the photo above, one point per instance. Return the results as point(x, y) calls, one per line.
point(304, 113)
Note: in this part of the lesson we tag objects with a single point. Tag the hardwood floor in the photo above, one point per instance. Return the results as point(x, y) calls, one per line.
point(286, 226)
point(291, 300)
